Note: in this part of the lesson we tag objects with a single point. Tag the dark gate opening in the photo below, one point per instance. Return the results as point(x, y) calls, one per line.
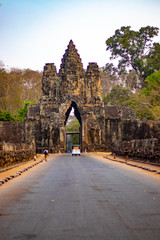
point(72, 139)
point(73, 134)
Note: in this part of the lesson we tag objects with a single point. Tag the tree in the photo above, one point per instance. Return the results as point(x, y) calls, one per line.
point(10, 90)
point(73, 126)
point(141, 106)
point(146, 104)
point(109, 67)
point(23, 111)
point(134, 50)
point(153, 59)
point(32, 85)
point(153, 84)
point(6, 116)
point(17, 87)
point(20, 116)
point(118, 96)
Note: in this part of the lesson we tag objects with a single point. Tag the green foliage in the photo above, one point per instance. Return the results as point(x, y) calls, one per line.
point(153, 59)
point(75, 139)
point(146, 104)
point(74, 127)
point(156, 113)
point(7, 116)
point(141, 106)
point(23, 111)
point(118, 96)
point(109, 68)
point(153, 83)
point(134, 51)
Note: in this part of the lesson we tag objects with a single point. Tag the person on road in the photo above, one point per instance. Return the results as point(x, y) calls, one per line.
point(35, 157)
point(46, 155)
point(126, 154)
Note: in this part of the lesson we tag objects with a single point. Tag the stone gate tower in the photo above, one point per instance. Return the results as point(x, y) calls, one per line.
point(71, 87)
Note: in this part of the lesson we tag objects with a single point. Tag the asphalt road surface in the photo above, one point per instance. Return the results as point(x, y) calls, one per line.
point(78, 198)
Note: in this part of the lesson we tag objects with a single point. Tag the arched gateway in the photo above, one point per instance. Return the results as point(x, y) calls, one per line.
point(71, 87)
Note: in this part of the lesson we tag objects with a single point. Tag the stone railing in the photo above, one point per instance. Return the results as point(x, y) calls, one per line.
point(13, 153)
point(146, 149)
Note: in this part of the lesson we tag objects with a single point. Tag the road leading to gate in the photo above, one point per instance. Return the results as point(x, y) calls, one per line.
point(75, 198)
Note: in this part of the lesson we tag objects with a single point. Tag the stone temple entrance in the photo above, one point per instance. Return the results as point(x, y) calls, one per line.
point(73, 136)
point(72, 139)
point(109, 128)
point(71, 87)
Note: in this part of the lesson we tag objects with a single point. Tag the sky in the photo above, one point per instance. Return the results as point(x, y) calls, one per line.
point(36, 32)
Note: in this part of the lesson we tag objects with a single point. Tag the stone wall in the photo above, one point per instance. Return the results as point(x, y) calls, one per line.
point(12, 132)
point(145, 149)
point(13, 148)
point(123, 130)
point(13, 153)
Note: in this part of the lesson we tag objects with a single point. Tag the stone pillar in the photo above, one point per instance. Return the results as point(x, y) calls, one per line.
point(62, 138)
point(84, 135)
point(50, 137)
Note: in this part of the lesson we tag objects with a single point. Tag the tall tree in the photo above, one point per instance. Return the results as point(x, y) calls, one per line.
point(118, 96)
point(146, 104)
point(153, 59)
point(19, 86)
point(32, 85)
point(134, 51)
point(10, 90)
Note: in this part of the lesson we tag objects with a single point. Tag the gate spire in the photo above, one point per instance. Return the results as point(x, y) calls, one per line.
point(71, 60)
point(71, 71)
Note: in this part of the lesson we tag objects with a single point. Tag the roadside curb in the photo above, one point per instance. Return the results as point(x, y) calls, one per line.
point(133, 165)
point(18, 173)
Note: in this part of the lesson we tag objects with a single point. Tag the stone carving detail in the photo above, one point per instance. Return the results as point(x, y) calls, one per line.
point(50, 82)
point(71, 72)
point(93, 83)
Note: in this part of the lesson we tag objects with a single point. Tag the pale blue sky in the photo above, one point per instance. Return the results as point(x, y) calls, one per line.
point(35, 32)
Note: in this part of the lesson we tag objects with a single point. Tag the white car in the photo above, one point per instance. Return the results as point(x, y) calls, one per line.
point(76, 150)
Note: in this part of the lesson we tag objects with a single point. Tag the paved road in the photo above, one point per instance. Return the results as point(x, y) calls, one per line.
point(77, 198)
